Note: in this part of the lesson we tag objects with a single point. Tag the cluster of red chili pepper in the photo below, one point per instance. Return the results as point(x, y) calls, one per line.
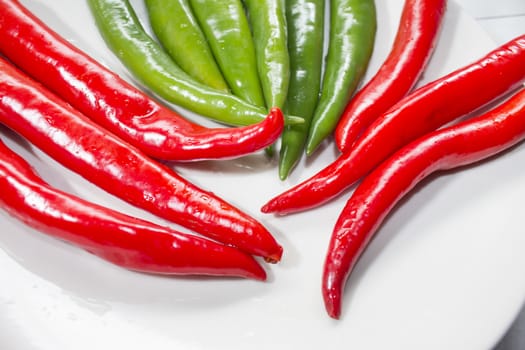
point(390, 137)
point(83, 116)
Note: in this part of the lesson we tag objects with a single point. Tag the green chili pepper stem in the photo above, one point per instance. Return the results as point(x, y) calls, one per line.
point(152, 66)
point(305, 22)
point(227, 30)
point(268, 25)
point(351, 42)
point(179, 33)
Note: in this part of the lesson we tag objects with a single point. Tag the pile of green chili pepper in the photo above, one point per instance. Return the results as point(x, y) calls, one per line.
point(234, 60)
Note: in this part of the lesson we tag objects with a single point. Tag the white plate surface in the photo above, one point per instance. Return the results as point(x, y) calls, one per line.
point(444, 272)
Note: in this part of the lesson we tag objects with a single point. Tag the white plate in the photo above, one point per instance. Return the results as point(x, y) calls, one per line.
point(444, 272)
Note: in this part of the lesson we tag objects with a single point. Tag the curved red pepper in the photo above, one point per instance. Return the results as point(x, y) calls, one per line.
point(115, 104)
point(452, 147)
point(121, 239)
point(79, 144)
point(427, 108)
point(413, 45)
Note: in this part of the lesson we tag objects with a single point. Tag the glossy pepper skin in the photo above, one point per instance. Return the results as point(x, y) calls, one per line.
point(150, 64)
point(461, 144)
point(425, 109)
point(227, 29)
point(305, 27)
point(179, 33)
point(351, 42)
point(268, 27)
point(114, 103)
point(79, 144)
point(123, 240)
point(416, 38)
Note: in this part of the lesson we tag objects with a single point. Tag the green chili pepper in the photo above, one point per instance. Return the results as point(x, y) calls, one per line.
point(351, 42)
point(179, 33)
point(268, 25)
point(226, 27)
point(150, 64)
point(305, 23)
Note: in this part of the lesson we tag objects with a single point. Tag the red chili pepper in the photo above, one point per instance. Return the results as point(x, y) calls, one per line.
point(452, 147)
point(119, 168)
point(115, 104)
point(121, 239)
point(413, 45)
point(427, 108)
